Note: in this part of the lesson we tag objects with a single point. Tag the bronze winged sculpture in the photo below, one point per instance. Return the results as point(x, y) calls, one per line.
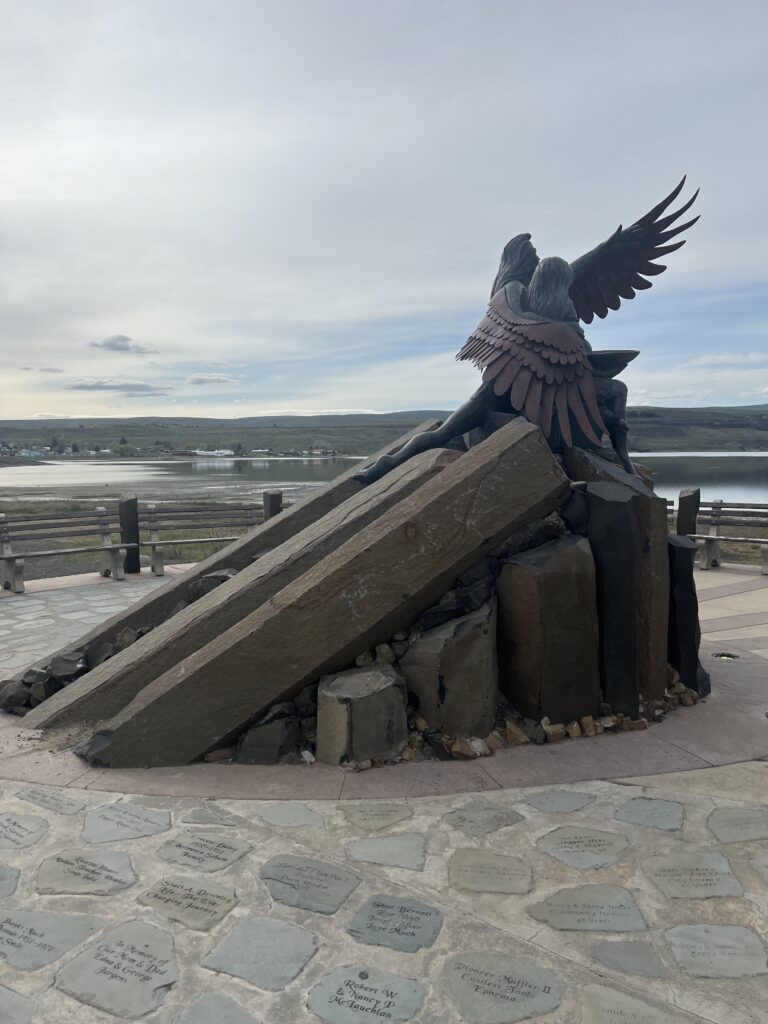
point(535, 358)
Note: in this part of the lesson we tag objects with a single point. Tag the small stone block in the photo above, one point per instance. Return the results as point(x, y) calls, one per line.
point(738, 824)
point(308, 884)
point(51, 800)
point(492, 988)
point(401, 851)
point(357, 995)
point(263, 951)
point(592, 908)
point(122, 821)
point(197, 903)
point(696, 875)
point(374, 817)
point(554, 733)
point(587, 724)
point(514, 733)
point(213, 1008)
point(632, 957)
point(717, 951)
point(401, 924)
point(473, 870)
point(583, 847)
point(30, 939)
point(76, 872)
point(559, 801)
point(18, 831)
point(666, 815)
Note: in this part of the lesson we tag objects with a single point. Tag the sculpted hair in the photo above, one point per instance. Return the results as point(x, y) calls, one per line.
point(548, 292)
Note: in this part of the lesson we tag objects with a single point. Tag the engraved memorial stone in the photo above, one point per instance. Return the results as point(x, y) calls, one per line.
point(402, 851)
point(263, 951)
point(583, 847)
point(83, 871)
point(126, 972)
point(309, 884)
point(204, 851)
point(492, 988)
point(632, 957)
point(210, 814)
point(30, 939)
point(559, 801)
point(717, 951)
point(9, 878)
point(213, 1008)
point(20, 830)
point(291, 815)
point(481, 871)
point(357, 995)
point(479, 819)
point(693, 875)
point(121, 821)
point(51, 800)
point(376, 816)
point(606, 1006)
point(666, 815)
point(592, 908)
point(738, 824)
point(196, 903)
point(15, 1009)
point(404, 925)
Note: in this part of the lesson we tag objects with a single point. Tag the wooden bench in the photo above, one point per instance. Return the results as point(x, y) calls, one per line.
point(719, 514)
point(182, 518)
point(41, 527)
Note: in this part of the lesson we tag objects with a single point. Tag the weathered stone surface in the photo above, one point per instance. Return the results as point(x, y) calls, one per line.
point(376, 816)
point(633, 957)
point(357, 994)
point(263, 951)
point(401, 851)
point(559, 801)
point(361, 715)
point(121, 821)
point(684, 634)
point(688, 503)
point(9, 878)
point(13, 694)
point(738, 824)
point(309, 884)
point(481, 871)
point(30, 939)
point(478, 819)
point(717, 951)
point(607, 1006)
point(650, 812)
point(20, 830)
point(51, 800)
point(343, 505)
point(197, 903)
point(213, 1008)
point(364, 591)
point(583, 847)
point(210, 814)
point(453, 671)
point(270, 742)
point(401, 924)
point(85, 871)
point(291, 814)
point(695, 875)
point(204, 851)
point(15, 1009)
point(548, 633)
point(492, 988)
point(125, 972)
point(592, 908)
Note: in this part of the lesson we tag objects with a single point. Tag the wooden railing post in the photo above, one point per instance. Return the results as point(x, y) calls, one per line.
point(273, 503)
point(129, 530)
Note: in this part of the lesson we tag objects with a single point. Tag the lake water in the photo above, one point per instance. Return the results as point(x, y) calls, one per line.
point(733, 476)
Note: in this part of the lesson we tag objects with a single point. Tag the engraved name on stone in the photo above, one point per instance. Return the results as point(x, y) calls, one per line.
point(126, 972)
point(197, 904)
point(480, 819)
point(693, 875)
point(30, 939)
point(480, 871)
point(84, 871)
point(121, 821)
point(717, 951)
point(20, 830)
point(51, 800)
point(373, 817)
point(404, 925)
point(357, 994)
point(309, 884)
point(205, 851)
point(606, 1006)
point(738, 824)
point(583, 847)
point(600, 908)
point(492, 988)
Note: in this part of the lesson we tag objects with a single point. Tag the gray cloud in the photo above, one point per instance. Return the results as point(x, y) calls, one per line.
point(41, 369)
point(122, 343)
point(211, 378)
point(128, 388)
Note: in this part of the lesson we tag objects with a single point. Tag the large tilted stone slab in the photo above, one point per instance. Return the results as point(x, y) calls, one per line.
point(684, 628)
point(548, 632)
point(493, 988)
point(453, 670)
point(357, 994)
point(288, 544)
point(30, 939)
point(264, 952)
point(361, 715)
point(375, 584)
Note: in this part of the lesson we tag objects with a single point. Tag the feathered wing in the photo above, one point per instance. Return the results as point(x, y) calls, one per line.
point(619, 265)
point(544, 366)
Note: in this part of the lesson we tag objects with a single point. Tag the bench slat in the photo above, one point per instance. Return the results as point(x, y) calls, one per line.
point(63, 551)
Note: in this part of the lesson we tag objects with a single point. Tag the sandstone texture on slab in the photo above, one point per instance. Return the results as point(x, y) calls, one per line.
point(195, 902)
point(213, 1008)
point(559, 801)
point(583, 847)
point(607, 1006)
point(18, 831)
point(401, 851)
point(738, 824)
point(373, 817)
point(126, 972)
point(482, 871)
point(14, 1008)
point(478, 819)
point(493, 988)
point(264, 952)
point(592, 908)
point(9, 878)
point(453, 671)
point(309, 884)
point(361, 715)
point(204, 851)
point(633, 957)
point(124, 675)
point(30, 939)
point(651, 812)
point(51, 799)
point(357, 994)
point(548, 631)
point(78, 872)
point(401, 924)
point(370, 587)
point(717, 951)
point(697, 875)
point(122, 821)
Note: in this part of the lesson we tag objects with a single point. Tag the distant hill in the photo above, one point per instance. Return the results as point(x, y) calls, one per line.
point(733, 428)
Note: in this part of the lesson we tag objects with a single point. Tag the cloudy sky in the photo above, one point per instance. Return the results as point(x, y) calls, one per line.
point(236, 207)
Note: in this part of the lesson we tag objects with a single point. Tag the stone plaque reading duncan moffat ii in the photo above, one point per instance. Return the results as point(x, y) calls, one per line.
point(492, 988)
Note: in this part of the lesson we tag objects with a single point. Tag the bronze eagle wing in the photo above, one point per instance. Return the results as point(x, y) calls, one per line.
point(619, 265)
